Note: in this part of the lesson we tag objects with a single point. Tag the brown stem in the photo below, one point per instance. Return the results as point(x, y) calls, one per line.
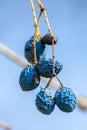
point(40, 4)
point(37, 34)
point(38, 21)
point(35, 37)
point(53, 55)
point(35, 78)
point(54, 74)
point(59, 80)
point(45, 15)
point(48, 82)
point(35, 62)
point(34, 54)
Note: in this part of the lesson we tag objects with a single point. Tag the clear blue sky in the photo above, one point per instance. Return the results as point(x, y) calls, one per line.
point(68, 19)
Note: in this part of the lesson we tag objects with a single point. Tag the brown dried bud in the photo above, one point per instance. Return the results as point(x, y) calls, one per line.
point(47, 39)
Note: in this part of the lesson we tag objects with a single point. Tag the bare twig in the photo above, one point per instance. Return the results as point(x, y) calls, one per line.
point(12, 55)
point(82, 102)
point(4, 125)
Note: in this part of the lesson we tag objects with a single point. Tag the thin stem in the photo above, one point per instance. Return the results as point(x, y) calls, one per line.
point(33, 11)
point(34, 15)
point(53, 67)
point(53, 71)
point(36, 35)
point(34, 54)
point(54, 74)
point(52, 84)
point(35, 78)
point(48, 82)
point(40, 4)
point(45, 15)
point(53, 55)
point(48, 24)
point(59, 80)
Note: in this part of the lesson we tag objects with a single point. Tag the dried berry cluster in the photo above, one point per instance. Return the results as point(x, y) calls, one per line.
point(29, 79)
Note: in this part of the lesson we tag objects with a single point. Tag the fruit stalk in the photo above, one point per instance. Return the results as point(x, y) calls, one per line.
point(54, 74)
point(34, 15)
point(36, 30)
point(35, 61)
point(48, 83)
point(45, 15)
point(53, 55)
point(59, 80)
point(34, 53)
point(36, 34)
point(53, 69)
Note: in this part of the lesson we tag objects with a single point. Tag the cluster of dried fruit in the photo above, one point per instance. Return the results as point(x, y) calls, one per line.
point(29, 79)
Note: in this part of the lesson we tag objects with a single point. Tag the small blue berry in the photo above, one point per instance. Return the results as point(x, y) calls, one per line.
point(65, 99)
point(44, 67)
point(28, 51)
point(45, 102)
point(47, 39)
point(27, 81)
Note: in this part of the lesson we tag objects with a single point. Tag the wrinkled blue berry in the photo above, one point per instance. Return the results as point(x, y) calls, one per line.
point(27, 81)
point(45, 102)
point(28, 51)
point(47, 39)
point(65, 99)
point(44, 67)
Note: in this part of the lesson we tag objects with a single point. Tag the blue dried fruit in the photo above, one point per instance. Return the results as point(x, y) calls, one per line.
point(45, 102)
point(28, 50)
point(27, 81)
point(47, 39)
point(65, 99)
point(44, 67)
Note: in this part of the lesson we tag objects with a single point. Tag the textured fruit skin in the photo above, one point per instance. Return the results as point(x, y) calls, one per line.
point(44, 67)
point(65, 99)
point(47, 39)
point(26, 79)
point(45, 102)
point(28, 51)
